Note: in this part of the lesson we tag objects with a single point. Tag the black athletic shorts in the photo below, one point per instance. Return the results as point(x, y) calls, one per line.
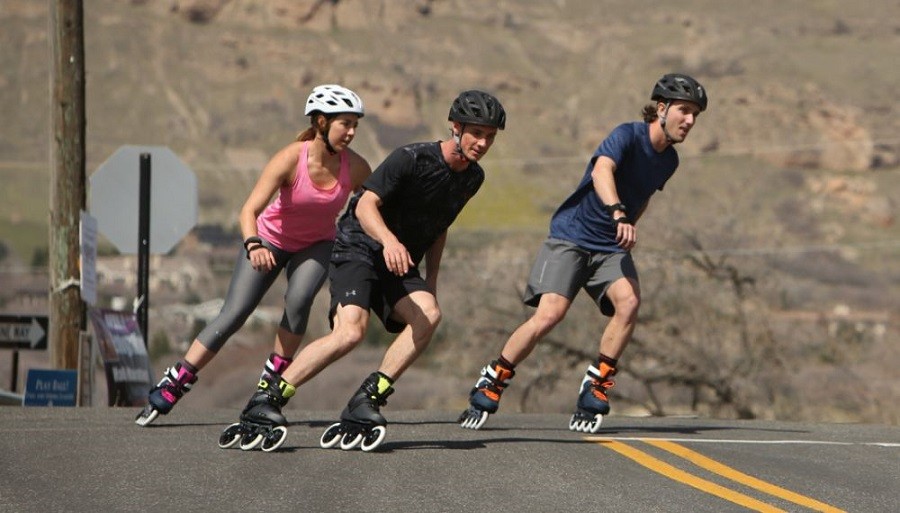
point(354, 282)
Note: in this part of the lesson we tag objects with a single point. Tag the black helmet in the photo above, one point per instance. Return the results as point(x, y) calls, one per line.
point(676, 86)
point(478, 108)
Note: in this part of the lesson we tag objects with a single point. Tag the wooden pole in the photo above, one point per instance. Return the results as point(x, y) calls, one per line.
point(67, 182)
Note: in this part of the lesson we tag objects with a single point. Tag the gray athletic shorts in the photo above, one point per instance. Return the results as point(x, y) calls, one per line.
point(562, 267)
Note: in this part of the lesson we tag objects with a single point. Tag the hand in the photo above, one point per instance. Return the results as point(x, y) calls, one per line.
point(261, 258)
point(626, 235)
point(397, 258)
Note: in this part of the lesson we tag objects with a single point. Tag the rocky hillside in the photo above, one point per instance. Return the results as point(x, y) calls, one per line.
point(791, 176)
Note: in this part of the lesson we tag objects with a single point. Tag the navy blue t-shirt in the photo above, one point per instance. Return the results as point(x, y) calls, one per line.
point(640, 172)
point(421, 197)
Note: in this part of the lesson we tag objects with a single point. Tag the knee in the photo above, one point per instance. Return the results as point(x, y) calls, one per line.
point(429, 319)
point(547, 317)
point(627, 305)
point(349, 335)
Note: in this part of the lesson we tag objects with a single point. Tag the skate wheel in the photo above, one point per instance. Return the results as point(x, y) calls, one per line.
point(146, 416)
point(249, 441)
point(372, 439)
point(274, 439)
point(331, 436)
point(586, 425)
point(350, 441)
point(230, 436)
point(594, 426)
point(473, 419)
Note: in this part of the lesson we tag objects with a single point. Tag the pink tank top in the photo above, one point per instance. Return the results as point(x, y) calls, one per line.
point(303, 213)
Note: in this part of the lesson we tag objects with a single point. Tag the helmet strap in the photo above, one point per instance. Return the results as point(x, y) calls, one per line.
point(457, 137)
point(662, 123)
point(328, 146)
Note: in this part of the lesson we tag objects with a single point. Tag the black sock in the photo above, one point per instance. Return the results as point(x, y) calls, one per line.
point(602, 358)
point(190, 368)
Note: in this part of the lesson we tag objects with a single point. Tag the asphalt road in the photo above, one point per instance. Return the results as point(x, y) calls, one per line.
point(96, 459)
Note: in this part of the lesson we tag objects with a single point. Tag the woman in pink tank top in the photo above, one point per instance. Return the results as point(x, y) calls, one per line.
point(311, 180)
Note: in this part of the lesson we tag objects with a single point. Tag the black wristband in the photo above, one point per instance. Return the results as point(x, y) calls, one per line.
point(251, 240)
point(620, 220)
point(611, 209)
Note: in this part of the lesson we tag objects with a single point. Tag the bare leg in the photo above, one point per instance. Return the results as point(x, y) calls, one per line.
point(198, 355)
point(625, 297)
point(287, 343)
point(422, 314)
point(551, 310)
point(349, 330)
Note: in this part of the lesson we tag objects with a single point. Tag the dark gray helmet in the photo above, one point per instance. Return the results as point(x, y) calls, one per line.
point(675, 86)
point(478, 108)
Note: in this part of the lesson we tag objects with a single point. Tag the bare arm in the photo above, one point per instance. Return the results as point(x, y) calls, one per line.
point(359, 170)
point(605, 187)
point(396, 256)
point(277, 172)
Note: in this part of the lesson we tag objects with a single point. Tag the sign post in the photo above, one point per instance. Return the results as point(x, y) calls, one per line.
point(143, 292)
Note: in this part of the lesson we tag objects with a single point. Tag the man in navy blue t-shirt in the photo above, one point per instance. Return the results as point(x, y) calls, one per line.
point(591, 236)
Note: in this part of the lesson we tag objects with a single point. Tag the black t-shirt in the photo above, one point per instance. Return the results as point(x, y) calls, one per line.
point(421, 197)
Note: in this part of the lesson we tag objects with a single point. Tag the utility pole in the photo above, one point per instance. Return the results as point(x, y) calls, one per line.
point(67, 183)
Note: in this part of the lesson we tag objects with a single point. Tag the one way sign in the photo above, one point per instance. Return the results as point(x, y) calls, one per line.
point(23, 332)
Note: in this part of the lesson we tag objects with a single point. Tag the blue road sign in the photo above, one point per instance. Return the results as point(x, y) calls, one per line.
point(46, 387)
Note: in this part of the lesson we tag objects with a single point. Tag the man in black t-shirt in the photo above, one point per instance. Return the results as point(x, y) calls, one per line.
point(400, 216)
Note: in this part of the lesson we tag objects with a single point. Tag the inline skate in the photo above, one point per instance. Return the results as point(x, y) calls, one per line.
point(261, 422)
point(361, 421)
point(592, 403)
point(484, 398)
point(176, 381)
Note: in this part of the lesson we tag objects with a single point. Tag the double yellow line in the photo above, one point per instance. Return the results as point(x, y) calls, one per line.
point(711, 465)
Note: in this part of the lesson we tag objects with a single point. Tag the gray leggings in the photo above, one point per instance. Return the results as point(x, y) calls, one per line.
point(306, 271)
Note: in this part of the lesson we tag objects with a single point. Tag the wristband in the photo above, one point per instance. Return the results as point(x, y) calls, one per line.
point(251, 240)
point(620, 220)
point(611, 209)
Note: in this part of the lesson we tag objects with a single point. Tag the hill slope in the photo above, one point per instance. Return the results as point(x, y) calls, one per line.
point(791, 176)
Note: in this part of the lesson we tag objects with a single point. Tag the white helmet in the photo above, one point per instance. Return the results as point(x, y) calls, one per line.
point(334, 99)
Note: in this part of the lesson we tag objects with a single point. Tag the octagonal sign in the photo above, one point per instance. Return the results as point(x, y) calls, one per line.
point(115, 194)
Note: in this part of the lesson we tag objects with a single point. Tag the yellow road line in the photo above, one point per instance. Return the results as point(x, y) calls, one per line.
point(726, 471)
point(679, 475)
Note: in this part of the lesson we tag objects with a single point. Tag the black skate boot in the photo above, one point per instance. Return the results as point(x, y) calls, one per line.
point(262, 424)
point(484, 398)
point(176, 381)
point(593, 403)
point(361, 421)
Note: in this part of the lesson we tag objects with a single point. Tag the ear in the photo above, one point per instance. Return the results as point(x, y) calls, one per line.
point(321, 122)
point(456, 128)
point(660, 108)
